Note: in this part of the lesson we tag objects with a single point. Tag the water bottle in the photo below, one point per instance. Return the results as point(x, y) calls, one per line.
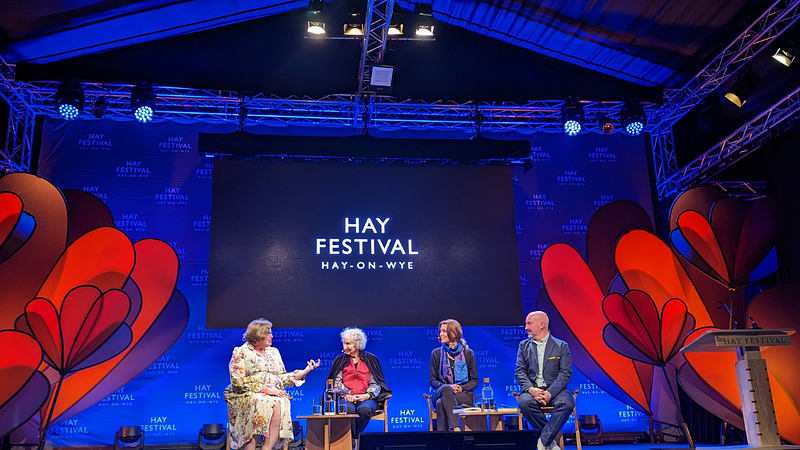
point(487, 394)
point(330, 399)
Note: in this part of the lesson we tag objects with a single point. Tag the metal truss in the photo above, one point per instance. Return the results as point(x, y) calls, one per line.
point(746, 190)
point(376, 31)
point(184, 104)
point(15, 155)
point(780, 16)
point(741, 143)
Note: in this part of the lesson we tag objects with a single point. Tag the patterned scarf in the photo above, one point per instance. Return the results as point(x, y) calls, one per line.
point(458, 373)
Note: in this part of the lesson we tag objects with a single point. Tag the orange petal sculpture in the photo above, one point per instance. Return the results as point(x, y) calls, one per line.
point(101, 307)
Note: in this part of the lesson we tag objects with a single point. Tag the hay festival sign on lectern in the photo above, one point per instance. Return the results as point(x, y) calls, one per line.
point(758, 410)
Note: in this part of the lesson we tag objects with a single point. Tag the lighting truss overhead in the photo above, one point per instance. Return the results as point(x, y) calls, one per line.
point(632, 117)
point(786, 53)
point(572, 116)
point(316, 17)
point(143, 102)
point(70, 99)
point(424, 14)
point(745, 85)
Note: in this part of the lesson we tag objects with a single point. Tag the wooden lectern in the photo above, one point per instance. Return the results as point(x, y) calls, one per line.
point(758, 410)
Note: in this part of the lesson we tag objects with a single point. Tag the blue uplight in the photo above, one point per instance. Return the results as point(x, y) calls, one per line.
point(572, 127)
point(143, 114)
point(634, 128)
point(68, 112)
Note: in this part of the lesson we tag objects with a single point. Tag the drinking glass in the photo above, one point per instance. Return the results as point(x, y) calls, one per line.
point(342, 406)
point(316, 406)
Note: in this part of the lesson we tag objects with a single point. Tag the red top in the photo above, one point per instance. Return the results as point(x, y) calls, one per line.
point(356, 378)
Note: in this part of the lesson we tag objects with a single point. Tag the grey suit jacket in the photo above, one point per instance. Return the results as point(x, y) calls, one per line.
point(557, 368)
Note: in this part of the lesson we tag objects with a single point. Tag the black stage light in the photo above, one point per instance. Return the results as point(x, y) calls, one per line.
point(786, 53)
point(212, 437)
point(354, 26)
point(745, 85)
point(424, 15)
point(143, 102)
point(70, 99)
point(572, 116)
point(605, 123)
point(129, 438)
point(99, 107)
point(632, 117)
point(316, 17)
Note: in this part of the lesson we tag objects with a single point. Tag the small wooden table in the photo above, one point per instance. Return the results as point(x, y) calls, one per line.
point(329, 432)
point(476, 421)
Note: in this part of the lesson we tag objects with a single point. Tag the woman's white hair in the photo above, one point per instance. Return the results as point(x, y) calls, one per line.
point(356, 335)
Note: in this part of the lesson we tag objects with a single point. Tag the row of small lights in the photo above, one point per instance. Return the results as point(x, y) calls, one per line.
point(70, 101)
point(632, 117)
point(316, 24)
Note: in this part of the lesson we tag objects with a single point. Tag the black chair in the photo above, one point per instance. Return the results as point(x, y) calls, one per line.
point(298, 442)
point(591, 429)
point(129, 438)
point(213, 436)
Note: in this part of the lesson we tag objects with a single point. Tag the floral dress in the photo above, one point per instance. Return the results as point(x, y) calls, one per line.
point(249, 410)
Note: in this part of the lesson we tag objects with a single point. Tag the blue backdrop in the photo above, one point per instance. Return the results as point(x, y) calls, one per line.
point(156, 185)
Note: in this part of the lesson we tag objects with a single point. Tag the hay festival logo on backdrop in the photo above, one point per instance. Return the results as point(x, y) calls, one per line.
point(366, 246)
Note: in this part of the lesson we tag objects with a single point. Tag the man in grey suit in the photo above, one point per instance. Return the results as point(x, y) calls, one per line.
point(544, 367)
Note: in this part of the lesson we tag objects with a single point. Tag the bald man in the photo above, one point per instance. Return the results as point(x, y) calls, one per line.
point(544, 367)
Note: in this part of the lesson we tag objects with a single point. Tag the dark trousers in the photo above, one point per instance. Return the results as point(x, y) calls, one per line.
point(364, 410)
point(562, 405)
point(444, 400)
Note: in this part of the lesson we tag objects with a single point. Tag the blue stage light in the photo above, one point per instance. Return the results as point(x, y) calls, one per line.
point(70, 99)
point(68, 112)
point(572, 116)
point(143, 102)
point(572, 127)
point(632, 117)
point(143, 114)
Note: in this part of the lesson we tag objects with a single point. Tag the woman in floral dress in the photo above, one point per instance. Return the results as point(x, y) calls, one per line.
point(258, 404)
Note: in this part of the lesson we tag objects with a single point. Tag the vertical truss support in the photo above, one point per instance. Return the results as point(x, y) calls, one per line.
point(376, 31)
point(664, 157)
point(15, 155)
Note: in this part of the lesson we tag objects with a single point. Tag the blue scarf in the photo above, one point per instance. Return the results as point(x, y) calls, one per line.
point(457, 374)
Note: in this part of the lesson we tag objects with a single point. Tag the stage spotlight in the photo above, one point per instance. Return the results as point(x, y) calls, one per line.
point(572, 116)
point(212, 437)
point(143, 102)
point(381, 79)
point(70, 99)
point(632, 117)
point(129, 438)
point(605, 123)
point(316, 17)
point(786, 53)
point(354, 25)
point(99, 107)
point(424, 14)
point(745, 85)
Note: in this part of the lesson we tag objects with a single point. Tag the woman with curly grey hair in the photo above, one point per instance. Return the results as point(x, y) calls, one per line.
point(357, 375)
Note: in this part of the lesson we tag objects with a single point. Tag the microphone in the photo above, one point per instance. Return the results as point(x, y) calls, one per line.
point(735, 323)
point(754, 325)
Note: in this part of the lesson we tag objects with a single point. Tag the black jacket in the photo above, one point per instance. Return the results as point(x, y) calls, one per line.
point(374, 366)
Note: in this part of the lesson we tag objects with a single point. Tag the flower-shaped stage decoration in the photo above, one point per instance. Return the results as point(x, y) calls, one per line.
point(101, 307)
point(624, 255)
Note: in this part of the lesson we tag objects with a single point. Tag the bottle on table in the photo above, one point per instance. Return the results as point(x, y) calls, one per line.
point(487, 396)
